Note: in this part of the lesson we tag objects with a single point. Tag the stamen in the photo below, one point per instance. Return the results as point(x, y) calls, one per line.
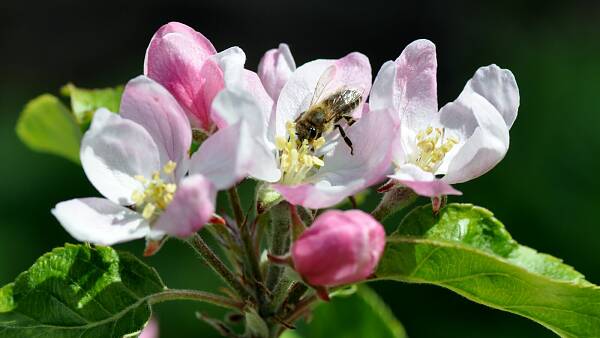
point(169, 168)
point(157, 193)
point(433, 148)
point(296, 158)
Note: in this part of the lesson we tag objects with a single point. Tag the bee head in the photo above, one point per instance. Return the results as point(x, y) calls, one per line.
point(312, 132)
point(306, 131)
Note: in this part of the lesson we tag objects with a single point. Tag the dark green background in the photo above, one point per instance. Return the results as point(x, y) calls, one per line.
point(545, 191)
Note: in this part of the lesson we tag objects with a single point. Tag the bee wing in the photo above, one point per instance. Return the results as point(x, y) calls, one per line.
point(324, 80)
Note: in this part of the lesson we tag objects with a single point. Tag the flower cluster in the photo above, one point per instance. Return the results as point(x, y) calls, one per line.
point(197, 122)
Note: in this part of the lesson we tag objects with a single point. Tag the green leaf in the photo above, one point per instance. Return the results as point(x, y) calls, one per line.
point(467, 250)
point(360, 314)
point(79, 291)
point(84, 102)
point(46, 125)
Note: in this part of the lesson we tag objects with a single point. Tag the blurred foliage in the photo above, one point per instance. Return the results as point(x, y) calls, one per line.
point(544, 191)
point(84, 102)
point(46, 125)
point(360, 314)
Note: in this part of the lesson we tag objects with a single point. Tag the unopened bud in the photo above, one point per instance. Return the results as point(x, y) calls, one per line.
point(340, 247)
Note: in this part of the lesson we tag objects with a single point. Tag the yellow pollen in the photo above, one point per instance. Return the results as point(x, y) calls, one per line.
point(157, 193)
point(169, 168)
point(296, 158)
point(433, 147)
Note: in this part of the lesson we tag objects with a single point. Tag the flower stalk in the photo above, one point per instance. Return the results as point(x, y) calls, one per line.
point(196, 295)
point(279, 241)
point(394, 200)
point(208, 255)
point(236, 206)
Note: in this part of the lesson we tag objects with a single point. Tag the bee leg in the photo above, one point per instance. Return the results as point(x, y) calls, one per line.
point(350, 120)
point(346, 138)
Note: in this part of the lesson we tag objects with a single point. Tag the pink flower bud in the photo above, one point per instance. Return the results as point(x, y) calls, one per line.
point(151, 329)
point(340, 247)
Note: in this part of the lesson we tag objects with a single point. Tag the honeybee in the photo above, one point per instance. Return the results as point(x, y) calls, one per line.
point(323, 116)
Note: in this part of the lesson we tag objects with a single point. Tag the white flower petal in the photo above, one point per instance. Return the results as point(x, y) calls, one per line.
point(297, 93)
point(113, 151)
point(352, 71)
point(372, 138)
point(410, 87)
point(500, 88)
point(383, 93)
point(100, 221)
point(223, 158)
point(231, 61)
point(482, 132)
point(257, 152)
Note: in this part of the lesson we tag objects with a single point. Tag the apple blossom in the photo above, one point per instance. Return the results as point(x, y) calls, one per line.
point(178, 58)
point(323, 173)
point(340, 247)
point(463, 140)
point(186, 63)
point(138, 160)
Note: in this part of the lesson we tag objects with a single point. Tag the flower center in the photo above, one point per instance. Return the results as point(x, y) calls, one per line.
point(157, 193)
point(296, 157)
point(432, 148)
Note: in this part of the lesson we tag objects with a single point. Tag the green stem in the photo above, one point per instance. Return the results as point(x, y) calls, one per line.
point(252, 259)
point(297, 290)
point(236, 205)
point(280, 240)
point(393, 201)
point(299, 310)
point(198, 244)
point(195, 295)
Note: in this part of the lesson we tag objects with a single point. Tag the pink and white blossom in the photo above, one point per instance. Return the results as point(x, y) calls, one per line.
point(340, 247)
point(138, 160)
point(463, 140)
point(322, 176)
point(203, 82)
point(179, 58)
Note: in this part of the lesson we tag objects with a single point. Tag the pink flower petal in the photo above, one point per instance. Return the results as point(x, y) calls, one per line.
point(275, 68)
point(317, 195)
point(422, 182)
point(152, 106)
point(100, 221)
point(192, 206)
point(113, 151)
point(175, 59)
point(340, 247)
